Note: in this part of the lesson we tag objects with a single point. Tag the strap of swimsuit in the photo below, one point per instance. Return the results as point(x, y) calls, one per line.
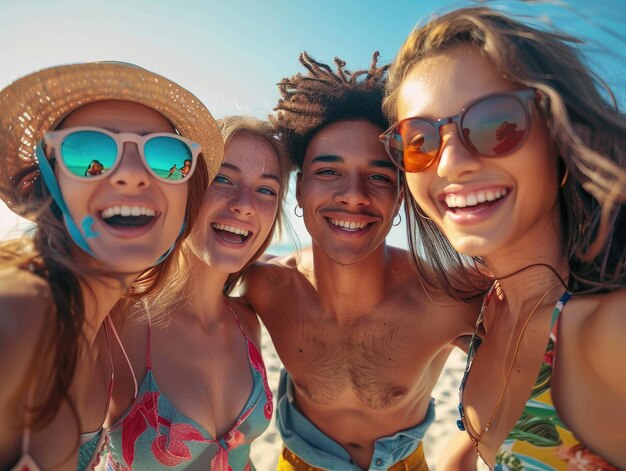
point(26, 432)
point(119, 342)
point(557, 311)
point(556, 315)
point(236, 318)
point(148, 362)
point(112, 382)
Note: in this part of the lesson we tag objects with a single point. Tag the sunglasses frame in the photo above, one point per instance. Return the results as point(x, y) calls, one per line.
point(522, 96)
point(53, 140)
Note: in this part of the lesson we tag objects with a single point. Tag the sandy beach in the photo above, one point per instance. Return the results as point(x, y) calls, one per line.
point(266, 448)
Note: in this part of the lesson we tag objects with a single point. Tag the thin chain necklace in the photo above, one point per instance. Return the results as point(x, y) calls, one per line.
point(464, 422)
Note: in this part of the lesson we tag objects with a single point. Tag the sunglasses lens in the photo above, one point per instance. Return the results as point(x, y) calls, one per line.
point(88, 153)
point(416, 143)
point(168, 157)
point(495, 126)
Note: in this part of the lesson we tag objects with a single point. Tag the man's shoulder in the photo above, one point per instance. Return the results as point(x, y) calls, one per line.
point(272, 268)
point(274, 275)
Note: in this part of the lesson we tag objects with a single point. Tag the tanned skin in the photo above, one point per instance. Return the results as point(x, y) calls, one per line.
point(361, 338)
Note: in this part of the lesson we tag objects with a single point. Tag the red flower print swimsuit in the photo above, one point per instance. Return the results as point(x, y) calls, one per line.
point(152, 434)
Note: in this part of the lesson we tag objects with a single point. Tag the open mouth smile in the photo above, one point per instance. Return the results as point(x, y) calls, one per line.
point(231, 234)
point(348, 225)
point(128, 216)
point(473, 200)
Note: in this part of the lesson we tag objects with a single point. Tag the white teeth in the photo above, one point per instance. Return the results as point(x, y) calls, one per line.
point(474, 198)
point(126, 211)
point(348, 224)
point(233, 229)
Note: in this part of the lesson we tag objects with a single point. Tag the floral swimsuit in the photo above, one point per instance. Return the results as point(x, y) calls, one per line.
point(540, 441)
point(152, 434)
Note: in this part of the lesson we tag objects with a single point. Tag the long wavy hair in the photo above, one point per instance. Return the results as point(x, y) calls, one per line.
point(588, 130)
point(50, 253)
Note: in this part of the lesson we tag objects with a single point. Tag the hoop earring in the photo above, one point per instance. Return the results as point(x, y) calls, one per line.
point(565, 177)
point(419, 213)
point(295, 211)
point(399, 216)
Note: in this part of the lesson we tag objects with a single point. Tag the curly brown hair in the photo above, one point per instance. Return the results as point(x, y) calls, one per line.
point(322, 96)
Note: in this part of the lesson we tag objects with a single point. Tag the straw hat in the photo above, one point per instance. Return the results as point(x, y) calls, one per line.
point(34, 104)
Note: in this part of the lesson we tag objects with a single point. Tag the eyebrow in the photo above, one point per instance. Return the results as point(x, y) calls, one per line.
point(234, 168)
point(384, 163)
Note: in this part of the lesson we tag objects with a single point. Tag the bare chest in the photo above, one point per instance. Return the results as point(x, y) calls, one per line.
point(379, 362)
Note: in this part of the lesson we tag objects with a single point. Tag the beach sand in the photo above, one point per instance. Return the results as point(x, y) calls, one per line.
point(266, 448)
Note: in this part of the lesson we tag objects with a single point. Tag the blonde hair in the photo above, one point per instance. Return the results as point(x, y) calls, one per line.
point(589, 132)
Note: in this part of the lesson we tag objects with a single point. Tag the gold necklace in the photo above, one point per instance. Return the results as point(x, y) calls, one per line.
point(476, 439)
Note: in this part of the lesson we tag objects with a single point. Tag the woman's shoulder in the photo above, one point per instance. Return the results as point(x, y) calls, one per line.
point(603, 315)
point(25, 301)
point(602, 330)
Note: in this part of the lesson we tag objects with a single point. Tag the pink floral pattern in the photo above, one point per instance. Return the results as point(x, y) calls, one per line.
point(173, 438)
point(580, 458)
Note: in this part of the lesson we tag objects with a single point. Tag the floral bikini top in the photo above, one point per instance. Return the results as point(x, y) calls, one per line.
point(152, 434)
point(540, 441)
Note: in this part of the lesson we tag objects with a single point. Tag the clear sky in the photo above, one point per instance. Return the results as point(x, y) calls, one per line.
point(232, 53)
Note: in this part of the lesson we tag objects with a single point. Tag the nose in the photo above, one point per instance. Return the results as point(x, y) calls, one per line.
point(353, 192)
point(455, 159)
point(241, 203)
point(131, 173)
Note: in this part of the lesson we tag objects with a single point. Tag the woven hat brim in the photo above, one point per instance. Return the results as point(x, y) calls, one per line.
point(33, 104)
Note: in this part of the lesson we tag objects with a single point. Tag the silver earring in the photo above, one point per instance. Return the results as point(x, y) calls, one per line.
point(295, 211)
point(399, 216)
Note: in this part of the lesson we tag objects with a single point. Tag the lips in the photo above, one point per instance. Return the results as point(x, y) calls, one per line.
point(475, 198)
point(230, 233)
point(472, 206)
point(128, 216)
point(348, 225)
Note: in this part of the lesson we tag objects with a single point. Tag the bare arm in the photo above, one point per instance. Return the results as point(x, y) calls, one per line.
point(24, 299)
point(605, 330)
point(458, 455)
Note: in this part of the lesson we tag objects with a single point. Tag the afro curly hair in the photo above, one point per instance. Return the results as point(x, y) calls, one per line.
point(322, 96)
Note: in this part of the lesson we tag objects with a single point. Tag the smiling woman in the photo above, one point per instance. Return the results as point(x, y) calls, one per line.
point(203, 346)
point(522, 168)
point(80, 149)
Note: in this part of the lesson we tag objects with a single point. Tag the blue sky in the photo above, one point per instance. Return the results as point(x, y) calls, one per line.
point(231, 54)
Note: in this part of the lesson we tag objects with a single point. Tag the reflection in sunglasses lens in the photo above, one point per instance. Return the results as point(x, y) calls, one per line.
point(166, 157)
point(88, 153)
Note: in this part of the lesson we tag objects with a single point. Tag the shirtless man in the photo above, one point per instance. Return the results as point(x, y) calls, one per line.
point(362, 341)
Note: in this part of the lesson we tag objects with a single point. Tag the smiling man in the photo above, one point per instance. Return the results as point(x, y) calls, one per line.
point(362, 340)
